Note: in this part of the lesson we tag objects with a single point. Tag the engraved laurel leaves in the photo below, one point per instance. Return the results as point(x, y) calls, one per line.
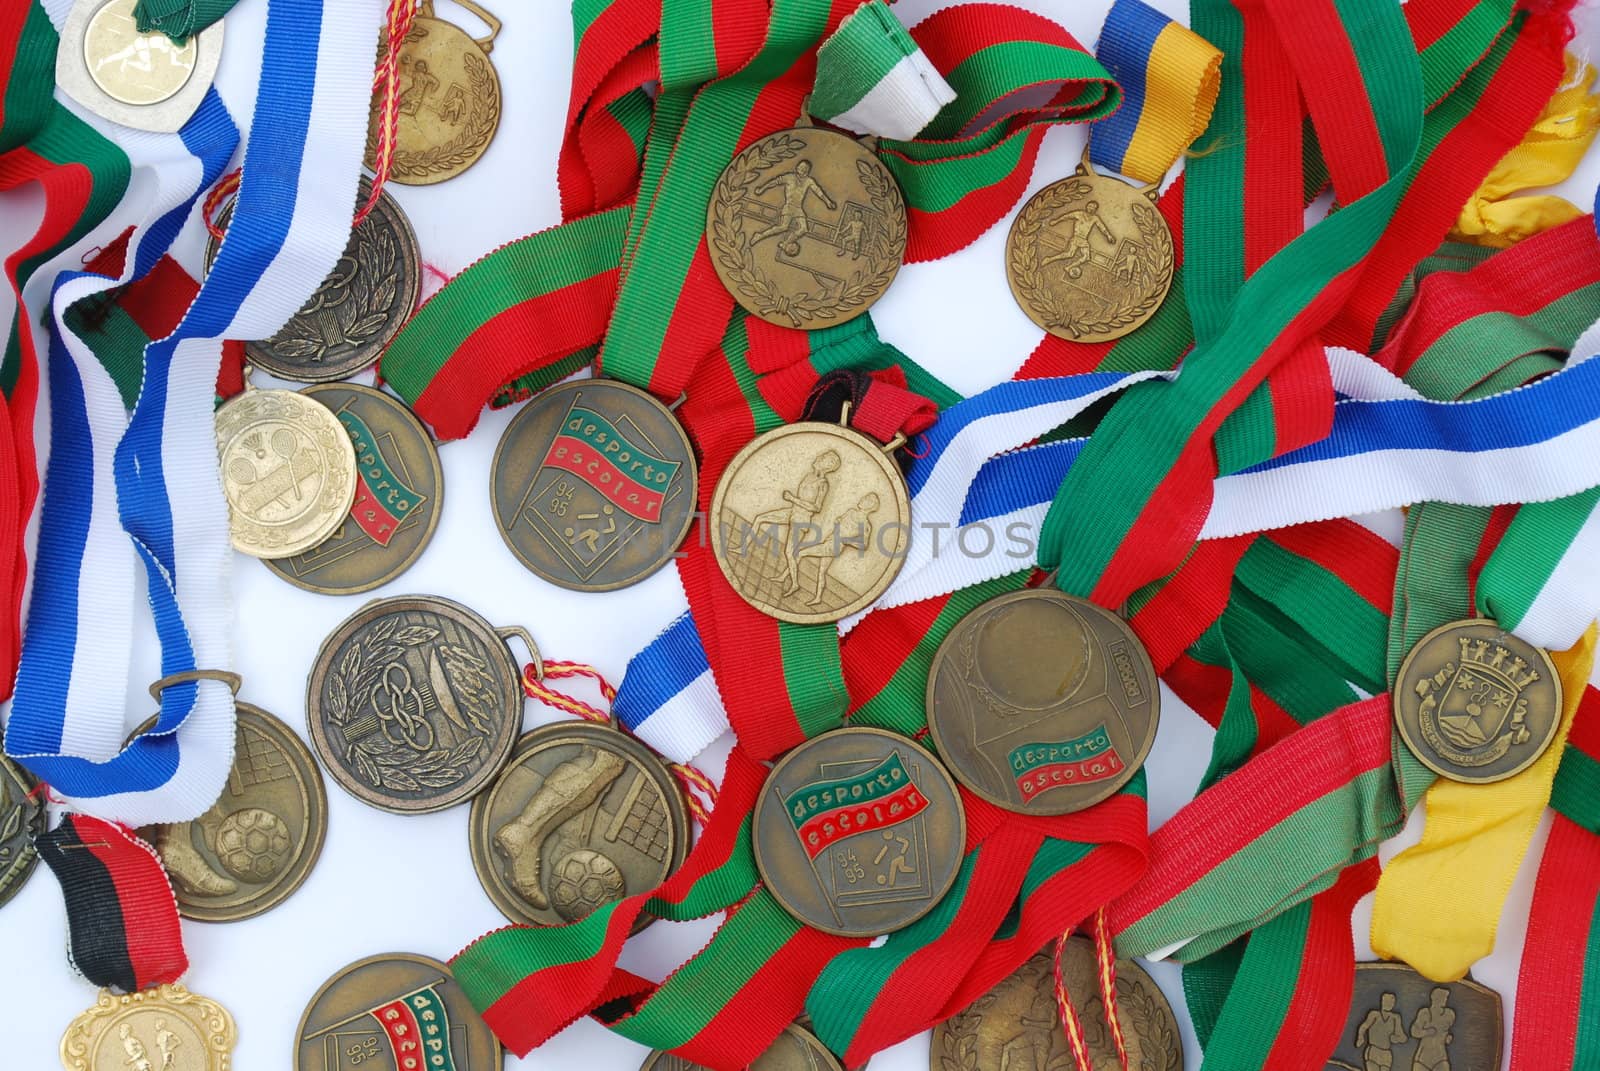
point(477, 128)
point(359, 297)
point(1053, 305)
point(731, 241)
point(353, 687)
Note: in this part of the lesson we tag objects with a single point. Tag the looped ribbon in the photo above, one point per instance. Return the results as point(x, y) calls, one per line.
point(179, 19)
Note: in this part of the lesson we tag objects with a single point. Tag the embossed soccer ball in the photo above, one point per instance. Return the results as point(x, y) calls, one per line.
point(253, 844)
point(582, 881)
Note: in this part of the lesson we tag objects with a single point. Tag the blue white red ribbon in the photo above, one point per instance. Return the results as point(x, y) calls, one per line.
point(145, 487)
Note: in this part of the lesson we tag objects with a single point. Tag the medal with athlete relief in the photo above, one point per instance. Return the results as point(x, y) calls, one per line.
point(288, 471)
point(593, 485)
point(810, 522)
point(167, 1027)
point(398, 500)
point(142, 80)
point(806, 228)
point(1399, 1019)
point(414, 703)
point(859, 832)
point(1042, 703)
point(796, 1049)
point(583, 815)
point(449, 99)
point(1475, 703)
point(1016, 1024)
point(394, 1011)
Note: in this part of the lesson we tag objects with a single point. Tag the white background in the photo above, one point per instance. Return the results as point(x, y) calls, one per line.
point(389, 883)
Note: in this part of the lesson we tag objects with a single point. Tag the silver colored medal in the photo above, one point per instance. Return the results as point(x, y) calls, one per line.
point(142, 80)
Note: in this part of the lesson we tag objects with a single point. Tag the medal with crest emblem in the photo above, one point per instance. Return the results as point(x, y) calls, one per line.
point(1476, 703)
point(1089, 258)
point(806, 228)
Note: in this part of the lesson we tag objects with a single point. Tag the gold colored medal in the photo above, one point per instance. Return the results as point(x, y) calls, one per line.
point(288, 471)
point(449, 106)
point(1089, 258)
point(166, 1027)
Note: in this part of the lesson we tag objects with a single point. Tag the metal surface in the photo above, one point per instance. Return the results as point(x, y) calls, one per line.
point(1401, 1020)
point(260, 840)
point(581, 816)
point(1042, 703)
point(22, 817)
point(399, 497)
point(141, 80)
point(414, 703)
point(1475, 703)
point(1089, 258)
point(166, 1028)
point(593, 485)
point(806, 228)
point(288, 471)
point(795, 1050)
point(810, 522)
point(859, 832)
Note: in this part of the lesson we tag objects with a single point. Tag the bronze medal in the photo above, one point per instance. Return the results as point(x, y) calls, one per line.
point(593, 485)
point(449, 99)
point(582, 816)
point(795, 1050)
point(22, 818)
point(1399, 1019)
point(166, 1028)
point(810, 522)
point(1042, 703)
point(142, 80)
point(1476, 703)
point(414, 703)
point(399, 496)
point(1015, 1026)
point(1089, 258)
point(394, 1011)
point(859, 832)
point(259, 841)
point(288, 471)
point(806, 228)
point(347, 324)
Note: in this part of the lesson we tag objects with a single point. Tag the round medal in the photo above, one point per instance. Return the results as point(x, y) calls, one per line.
point(593, 485)
point(381, 1009)
point(1042, 703)
point(167, 1027)
point(1015, 1024)
point(810, 522)
point(22, 818)
point(583, 815)
point(359, 308)
point(859, 832)
point(795, 1050)
point(1476, 703)
point(288, 471)
point(806, 228)
point(399, 496)
point(414, 703)
point(1089, 258)
point(142, 80)
point(258, 843)
point(1399, 1019)
point(449, 100)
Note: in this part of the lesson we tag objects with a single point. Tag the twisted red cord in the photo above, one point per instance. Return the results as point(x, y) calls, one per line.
point(1106, 976)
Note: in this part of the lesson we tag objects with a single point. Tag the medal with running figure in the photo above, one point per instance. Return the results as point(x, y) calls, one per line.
point(1042, 703)
point(582, 816)
point(22, 817)
point(397, 1011)
point(1399, 1019)
point(166, 1028)
point(859, 832)
point(288, 471)
point(806, 228)
point(1090, 258)
point(811, 522)
point(1016, 1024)
point(1476, 703)
point(593, 485)
point(449, 99)
point(141, 80)
point(414, 703)
point(796, 1049)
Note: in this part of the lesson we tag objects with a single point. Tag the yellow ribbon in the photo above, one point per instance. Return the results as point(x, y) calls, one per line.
point(1439, 902)
point(1548, 154)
